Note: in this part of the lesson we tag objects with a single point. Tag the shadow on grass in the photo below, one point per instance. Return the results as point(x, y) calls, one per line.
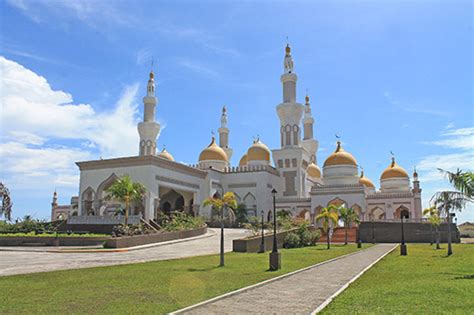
point(202, 269)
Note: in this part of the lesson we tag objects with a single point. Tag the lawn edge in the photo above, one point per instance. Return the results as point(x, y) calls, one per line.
point(345, 286)
point(259, 284)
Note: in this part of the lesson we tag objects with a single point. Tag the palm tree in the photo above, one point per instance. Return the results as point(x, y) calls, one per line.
point(229, 202)
point(348, 216)
point(435, 220)
point(329, 216)
point(462, 181)
point(126, 191)
point(6, 206)
point(447, 201)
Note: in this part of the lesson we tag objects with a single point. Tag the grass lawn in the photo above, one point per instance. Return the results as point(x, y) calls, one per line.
point(153, 287)
point(424, 282)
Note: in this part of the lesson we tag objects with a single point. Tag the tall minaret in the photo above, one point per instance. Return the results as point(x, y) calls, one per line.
point(54, 204)
point(417, 194)
point(224, 134)
point(149, 129)
point(289, 111)
point(309, 143)
point(292, 158)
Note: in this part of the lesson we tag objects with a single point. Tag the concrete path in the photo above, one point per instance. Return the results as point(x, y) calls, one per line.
point(19, 262)
point(299, 293)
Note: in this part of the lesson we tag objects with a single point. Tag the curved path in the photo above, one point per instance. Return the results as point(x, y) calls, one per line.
point(302, 292)
point(19, 262)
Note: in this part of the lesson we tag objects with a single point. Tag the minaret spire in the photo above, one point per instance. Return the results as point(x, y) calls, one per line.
point(149, 129)
point(224, 134)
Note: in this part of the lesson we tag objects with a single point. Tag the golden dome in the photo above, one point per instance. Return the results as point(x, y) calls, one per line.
point(365, 181)
point(152, 75)
point(307, 99)
point(258, 152)
point(288, 49)
point(313, 170)
point(213, 152)
point(393, 171)
point(166, 155)
point(340, 157)
point(243, 160)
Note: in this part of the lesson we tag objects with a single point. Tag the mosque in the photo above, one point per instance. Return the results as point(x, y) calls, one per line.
point(292, 170)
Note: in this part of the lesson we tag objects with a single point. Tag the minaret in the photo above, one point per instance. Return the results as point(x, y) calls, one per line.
point(289, 111)
point(309, 143)
point(149, 129)
point(292, 158)
point(54, 204)
point(417, 194)
point(224, 134)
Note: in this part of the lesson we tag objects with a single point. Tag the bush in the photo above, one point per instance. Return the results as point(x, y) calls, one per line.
point(29, 225)
point(310, 238)
point(130, 230)
point(180, 221)
point(292, 240)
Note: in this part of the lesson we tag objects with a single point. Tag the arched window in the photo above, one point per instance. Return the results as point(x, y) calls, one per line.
point(288, 135)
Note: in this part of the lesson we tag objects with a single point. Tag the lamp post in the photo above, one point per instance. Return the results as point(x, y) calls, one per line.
point(403, 246)
point(262, 243)
point(275, 256)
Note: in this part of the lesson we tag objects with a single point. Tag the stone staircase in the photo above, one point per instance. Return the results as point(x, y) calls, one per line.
point(338, 235)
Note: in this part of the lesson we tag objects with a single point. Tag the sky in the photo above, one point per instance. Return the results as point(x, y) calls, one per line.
point(386, 76)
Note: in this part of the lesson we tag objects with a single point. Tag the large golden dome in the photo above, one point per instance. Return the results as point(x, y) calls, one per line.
point(258, 152)
point(340, 157)
point(213, 152)
point(365, 181)
point(313, 170)
point(394, 171)
point(243, 160)
point(166, 155)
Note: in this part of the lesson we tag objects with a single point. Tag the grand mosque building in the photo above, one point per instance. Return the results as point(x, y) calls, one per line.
point(303, 185)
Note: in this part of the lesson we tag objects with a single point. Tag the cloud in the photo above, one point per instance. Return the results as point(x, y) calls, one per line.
point(35, 119)
point(198, 68)
point(414, 108)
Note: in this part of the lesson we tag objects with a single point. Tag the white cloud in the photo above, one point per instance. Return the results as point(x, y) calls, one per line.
point(34, 117)
point(410, 107)
point(198, 68)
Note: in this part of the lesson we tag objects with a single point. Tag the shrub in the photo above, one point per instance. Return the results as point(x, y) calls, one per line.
point(130, 230)
point(180, 221)
point(310, 238)
point(292, 240)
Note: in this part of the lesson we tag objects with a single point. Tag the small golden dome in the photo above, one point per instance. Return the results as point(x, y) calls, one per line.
point(394, 171)
point(258, 152)
point(152, 75)
point(166, 155)
point(243, 160)
point(340, 157)
point(307, 99)
point(288, 49)
point(313, 170)
point(213, 152)
point(365, 181)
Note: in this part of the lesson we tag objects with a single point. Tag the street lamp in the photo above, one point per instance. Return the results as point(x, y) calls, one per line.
point(403, 246)
point(262, 244)
point(275, 256)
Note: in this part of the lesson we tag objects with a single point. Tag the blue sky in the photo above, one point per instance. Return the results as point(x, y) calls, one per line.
point(387, 76)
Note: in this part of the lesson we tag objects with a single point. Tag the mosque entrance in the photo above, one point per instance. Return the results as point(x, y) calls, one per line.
point(172, 200)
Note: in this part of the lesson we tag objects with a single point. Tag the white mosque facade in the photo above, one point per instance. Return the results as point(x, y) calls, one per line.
point(292, 170)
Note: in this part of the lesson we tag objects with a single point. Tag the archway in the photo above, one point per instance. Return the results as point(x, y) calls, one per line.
point(337, 202)
point(402, 211)
point(305, 215)
point(358, 210)
point(377, 214)
point(87, 200)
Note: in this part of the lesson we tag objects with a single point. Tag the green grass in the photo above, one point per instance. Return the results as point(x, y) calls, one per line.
point(424, 282)
point(153, 287)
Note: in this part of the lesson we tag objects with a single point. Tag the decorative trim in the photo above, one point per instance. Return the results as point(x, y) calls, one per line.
point(176, 181)
point(243, 185)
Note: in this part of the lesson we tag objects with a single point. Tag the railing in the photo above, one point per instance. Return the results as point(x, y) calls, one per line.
point(108, 220)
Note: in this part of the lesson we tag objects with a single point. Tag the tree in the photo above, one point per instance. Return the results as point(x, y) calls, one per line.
point(348, 216)
point(434, 218)
point(126, 191)
point(228, 202)
point(6, 207)
point(447, 201)
point(241, 213)
point(328, 216)
point(462, 181)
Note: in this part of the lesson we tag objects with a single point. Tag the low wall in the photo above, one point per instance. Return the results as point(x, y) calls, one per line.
point(87, 228)
point(390, 232)
point(51, 241)
point(130, 241)
point(252, 245)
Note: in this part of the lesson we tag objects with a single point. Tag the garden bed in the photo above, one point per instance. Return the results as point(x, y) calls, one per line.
point(51, 240)
point(252, 244)
point(137, 240)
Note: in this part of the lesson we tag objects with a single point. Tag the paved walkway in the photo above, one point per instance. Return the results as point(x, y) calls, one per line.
point(19, 262)
point(300, 293)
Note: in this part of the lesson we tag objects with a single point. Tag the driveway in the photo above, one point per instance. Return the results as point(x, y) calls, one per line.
point(17, 262)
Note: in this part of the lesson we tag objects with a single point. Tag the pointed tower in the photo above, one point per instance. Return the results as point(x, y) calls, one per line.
point(224, 134)
point(417, 194)
point(149, 129)
point(292, 158)
point(309, 143)
point(54, 204)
